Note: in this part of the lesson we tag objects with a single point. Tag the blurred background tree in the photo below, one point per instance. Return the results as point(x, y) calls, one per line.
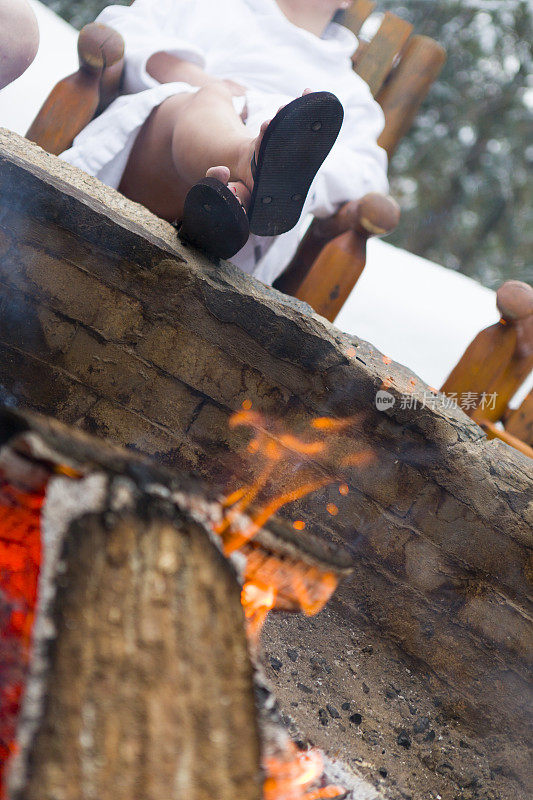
point(463, 173)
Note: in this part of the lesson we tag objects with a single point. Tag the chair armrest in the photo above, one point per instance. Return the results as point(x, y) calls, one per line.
point(73, 102)
point(515, 303)
point(374, 215)
point(500, 357)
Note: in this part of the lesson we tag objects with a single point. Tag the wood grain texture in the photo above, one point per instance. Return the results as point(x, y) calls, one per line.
point(67, 110)
point(107, 322)
point(334, 274)
point(149, 622)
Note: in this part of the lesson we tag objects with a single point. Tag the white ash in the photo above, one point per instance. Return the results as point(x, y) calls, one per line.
point(357, 788)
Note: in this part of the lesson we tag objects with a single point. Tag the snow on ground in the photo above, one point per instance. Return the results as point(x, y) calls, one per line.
point(414, 311)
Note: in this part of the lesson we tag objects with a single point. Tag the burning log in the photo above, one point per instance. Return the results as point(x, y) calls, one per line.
point(109, 323)
point(137, 676)
point(139, 680)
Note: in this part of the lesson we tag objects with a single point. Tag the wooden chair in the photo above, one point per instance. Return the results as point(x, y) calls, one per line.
point(495, 365)
point(399, 68)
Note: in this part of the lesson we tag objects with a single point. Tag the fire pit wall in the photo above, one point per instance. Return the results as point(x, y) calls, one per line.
point(108, 323)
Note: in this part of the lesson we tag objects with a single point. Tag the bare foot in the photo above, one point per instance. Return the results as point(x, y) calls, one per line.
point(239, 189)
point(243, 187)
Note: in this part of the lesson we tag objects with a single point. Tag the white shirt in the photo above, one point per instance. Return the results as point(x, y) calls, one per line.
point(253, 43)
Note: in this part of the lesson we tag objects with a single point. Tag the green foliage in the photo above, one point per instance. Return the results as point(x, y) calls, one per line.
point(80, 12)
point(461, 174)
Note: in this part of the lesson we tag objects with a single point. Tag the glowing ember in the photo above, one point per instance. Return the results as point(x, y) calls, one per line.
point(20, 558)
point(291, 777)
point(299, 525)
point(328, 424)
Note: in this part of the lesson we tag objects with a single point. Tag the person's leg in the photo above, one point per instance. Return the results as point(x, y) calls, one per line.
point(19, 39)
point(186, 136)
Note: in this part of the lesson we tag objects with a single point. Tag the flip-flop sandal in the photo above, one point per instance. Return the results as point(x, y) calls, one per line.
point(292, 150)
point(214, 220)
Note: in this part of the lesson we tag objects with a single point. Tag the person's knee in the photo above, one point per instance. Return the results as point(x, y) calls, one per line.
point(19, 39)
point(216, 90)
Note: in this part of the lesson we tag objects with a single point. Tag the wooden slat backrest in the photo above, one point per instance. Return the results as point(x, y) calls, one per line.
point(494, 366)
point(406, 87)
point(373, 61)
point(357, 14)
point(398, 67)
point(378, 62)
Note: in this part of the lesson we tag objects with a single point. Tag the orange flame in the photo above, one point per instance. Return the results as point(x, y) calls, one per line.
point(279, 581)
point(291, 776)
point(297, 586)
point(308, 461)
point(237, 539)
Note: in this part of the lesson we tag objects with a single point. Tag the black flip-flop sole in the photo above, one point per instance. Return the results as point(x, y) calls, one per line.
point(213, 219)
point(293, 149)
